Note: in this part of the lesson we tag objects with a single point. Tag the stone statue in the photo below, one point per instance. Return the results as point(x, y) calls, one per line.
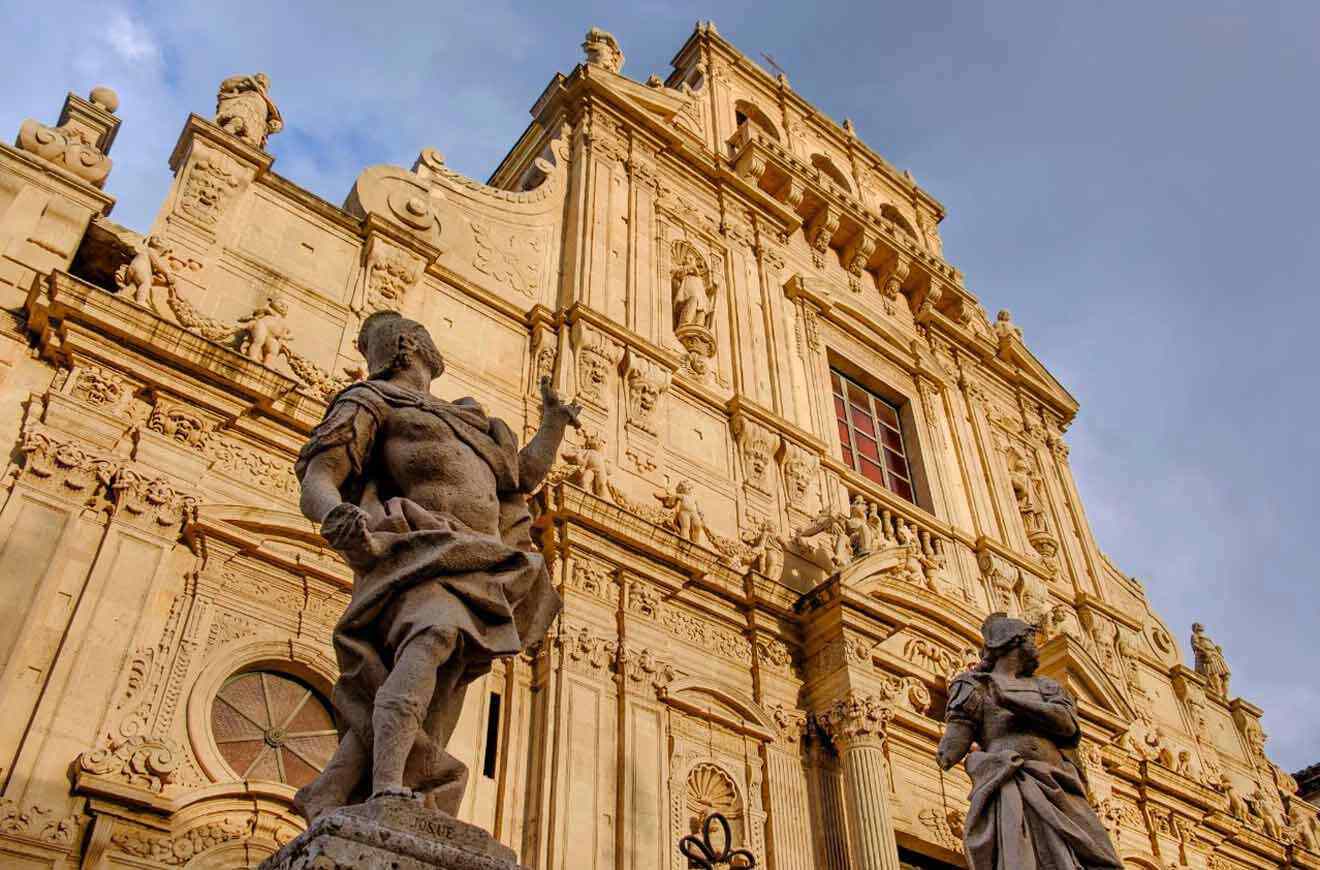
point(694, 297)
point(1210, 661)
point(426, 501)
point(1005, 329)
point(765, 549)
point(243, 108)
point(602, 49)
point(1028, 800)
point(1302, 817)
point(1237, 804)
point(146, 269)
point(859, 528)
point(688, 520)
point(264, 332)
point(840, 551)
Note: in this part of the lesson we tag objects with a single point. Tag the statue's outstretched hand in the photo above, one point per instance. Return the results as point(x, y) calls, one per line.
point(553, 407)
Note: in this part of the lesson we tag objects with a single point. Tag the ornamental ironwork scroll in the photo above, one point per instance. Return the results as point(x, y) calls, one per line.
point(707, 853)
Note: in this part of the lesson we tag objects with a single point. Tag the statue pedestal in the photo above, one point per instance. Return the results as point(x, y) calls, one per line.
point(392, 834)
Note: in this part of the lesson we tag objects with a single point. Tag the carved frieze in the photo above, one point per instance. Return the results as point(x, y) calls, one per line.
point(177, 850)
point(38, 823)
point(511, 256)
point(149, 763)
point(253, 466)
point(594, 579)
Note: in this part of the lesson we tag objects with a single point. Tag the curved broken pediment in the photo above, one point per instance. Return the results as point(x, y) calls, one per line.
point(726, 706)
point(282, 538)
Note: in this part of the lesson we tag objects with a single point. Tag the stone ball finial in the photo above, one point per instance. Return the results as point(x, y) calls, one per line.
point(105, 98)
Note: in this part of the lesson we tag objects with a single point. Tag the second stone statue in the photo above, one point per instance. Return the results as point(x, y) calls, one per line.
point(426, 501)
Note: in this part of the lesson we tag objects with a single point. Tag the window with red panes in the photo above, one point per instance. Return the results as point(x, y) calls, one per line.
point(870, 436)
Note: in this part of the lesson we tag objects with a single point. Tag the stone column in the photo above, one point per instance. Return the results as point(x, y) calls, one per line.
point(857, 726)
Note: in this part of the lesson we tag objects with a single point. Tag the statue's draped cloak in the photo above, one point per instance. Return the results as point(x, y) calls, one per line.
point(1026, 814)
point(492, 595)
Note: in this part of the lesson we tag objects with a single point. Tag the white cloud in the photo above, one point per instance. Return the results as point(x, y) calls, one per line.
point(130, 39)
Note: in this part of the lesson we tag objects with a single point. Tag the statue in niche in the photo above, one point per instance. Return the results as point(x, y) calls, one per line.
point(694, 290)
point(426, 501)
point(688, 520)
point(694, 294)
point(244, 109)
point(1024, 491)
point(1210, 661)
point(1028, 800)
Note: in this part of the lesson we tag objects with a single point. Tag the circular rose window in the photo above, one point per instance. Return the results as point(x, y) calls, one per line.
point(271, 726)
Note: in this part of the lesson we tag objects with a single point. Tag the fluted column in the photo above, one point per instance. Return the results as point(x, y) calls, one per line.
point(857, 726)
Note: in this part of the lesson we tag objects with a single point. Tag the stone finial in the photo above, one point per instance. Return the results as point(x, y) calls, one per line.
point(104, 98)
point(244, 109)
point(602, 49)
point(81, 139)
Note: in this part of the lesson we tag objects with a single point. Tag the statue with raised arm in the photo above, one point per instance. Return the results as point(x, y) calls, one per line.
point(1028, 802)
point(426, 501)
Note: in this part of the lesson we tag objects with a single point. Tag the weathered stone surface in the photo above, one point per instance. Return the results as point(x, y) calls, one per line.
point(392, 834)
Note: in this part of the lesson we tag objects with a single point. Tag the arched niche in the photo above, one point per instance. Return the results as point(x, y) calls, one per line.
point(749, 112)
point(896, 217)
point(727, 753)
point(827, 167)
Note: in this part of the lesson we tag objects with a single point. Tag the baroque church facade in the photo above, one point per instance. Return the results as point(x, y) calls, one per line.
point(810, 466)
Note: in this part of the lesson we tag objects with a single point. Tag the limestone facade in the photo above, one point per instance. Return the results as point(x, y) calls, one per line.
point(756, 622)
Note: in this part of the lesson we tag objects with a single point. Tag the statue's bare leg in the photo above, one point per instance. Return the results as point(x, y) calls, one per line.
point(401, 704)
point(335, 784)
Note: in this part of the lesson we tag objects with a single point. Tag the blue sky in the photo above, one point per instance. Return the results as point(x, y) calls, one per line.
point(1136, 181)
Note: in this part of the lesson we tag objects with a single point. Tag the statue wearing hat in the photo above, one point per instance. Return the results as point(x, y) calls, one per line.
point(1028, 802)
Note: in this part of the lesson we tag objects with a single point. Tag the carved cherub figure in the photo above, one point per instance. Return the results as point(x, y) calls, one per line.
point(767, 548)
point(1210, 661)
point(243, 108)
point(859, 528)
point(147, 268)
point(264, 332)
point(1237, 804)
point(1302, 816)
point(592, 464)
point(688, 520)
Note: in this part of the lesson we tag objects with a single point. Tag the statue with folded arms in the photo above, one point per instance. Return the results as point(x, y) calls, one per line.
point(1028, 802)
point(426, 501)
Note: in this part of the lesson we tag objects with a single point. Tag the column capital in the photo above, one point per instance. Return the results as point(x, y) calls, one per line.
point(856, 720)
